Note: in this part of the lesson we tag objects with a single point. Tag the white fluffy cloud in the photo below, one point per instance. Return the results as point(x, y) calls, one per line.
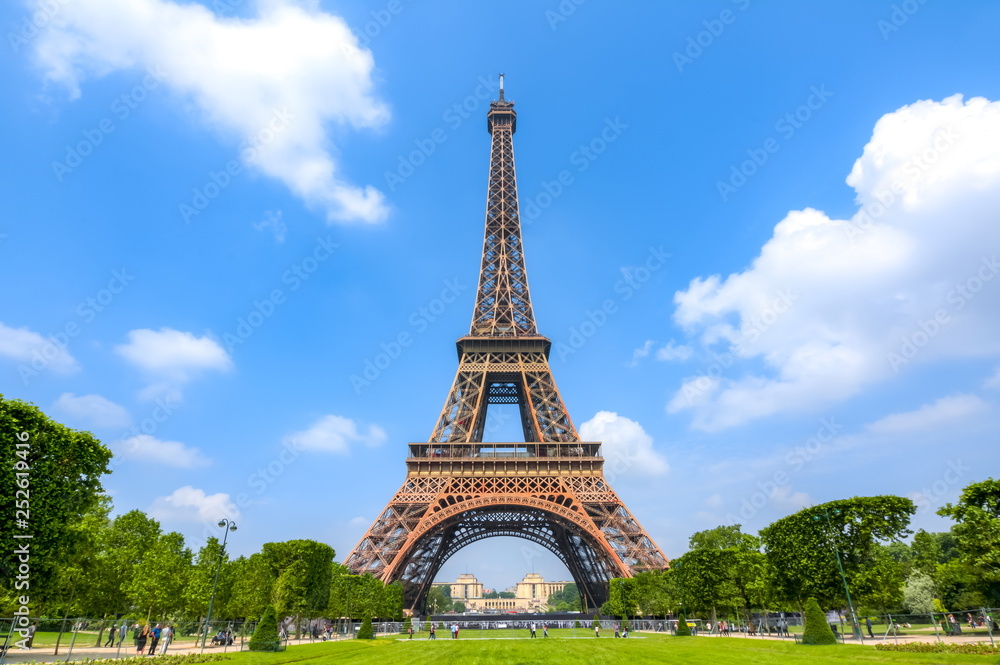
point(834, 305)
point(335, 434)
point(943, 411)
point(188, 504)
point(292, 68)
point(171, 358)
point(93, 410)
point(627, 448)
point(150, 450)
point(34, 351)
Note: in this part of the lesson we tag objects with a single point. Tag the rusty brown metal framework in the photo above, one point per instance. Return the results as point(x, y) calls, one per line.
point(549, 489)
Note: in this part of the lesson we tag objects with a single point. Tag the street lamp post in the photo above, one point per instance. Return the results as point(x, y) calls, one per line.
point(228, 525)
point(855, 626)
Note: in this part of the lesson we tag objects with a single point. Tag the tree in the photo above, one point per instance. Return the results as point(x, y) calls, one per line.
point(265, 636)
point(566, 600)
point(302, 576)
point(158, 586)
point(252, 585)
point(366, 632)
point(817, 630)
point(919, 593)
point(459, 607)
point(121, 558)
point(198, 591)
point(802, 548)
point(977, 533)
point(50, 477)
point(656, 592)
point(622, 597)
point(683, 629)
point(438, 599)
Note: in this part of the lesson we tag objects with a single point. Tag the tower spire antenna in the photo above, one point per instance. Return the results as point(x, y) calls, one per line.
point(501, 86)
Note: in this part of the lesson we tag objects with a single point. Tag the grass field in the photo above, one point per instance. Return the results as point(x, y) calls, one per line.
point(562, 651)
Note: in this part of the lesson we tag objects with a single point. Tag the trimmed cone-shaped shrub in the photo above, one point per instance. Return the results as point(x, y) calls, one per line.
point(576, 624)
point(265, 637)
point(817, 630)
point(366, 632)
point(595, 623)
point(682, 626)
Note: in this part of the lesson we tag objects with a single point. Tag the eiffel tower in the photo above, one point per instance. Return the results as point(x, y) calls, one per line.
point(549, 489)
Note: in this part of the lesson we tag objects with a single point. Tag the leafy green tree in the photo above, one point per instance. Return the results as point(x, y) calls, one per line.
point(52, 474)
point(919, 593)
point(816, 631)
point(622, 597)
point(977, 533)
point(158, 586)
point(251, 588)
point(392, 602)
point(656, 592)
point(801, 549)
point(566, 600)
point(366, 632)
point(683, 629)
point(438, 599)
point(265, 636)
point(121, 559)
point(302, 577)
point(198, 591)
point(459, 607)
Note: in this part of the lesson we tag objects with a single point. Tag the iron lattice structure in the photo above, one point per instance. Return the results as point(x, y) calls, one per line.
point(549, 489)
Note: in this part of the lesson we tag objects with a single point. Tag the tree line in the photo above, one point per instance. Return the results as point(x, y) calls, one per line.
point(80, 561)
point(728, 573)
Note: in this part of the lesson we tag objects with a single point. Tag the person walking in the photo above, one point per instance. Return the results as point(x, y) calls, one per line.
point(533, 636)
point(121, 633)
point(155, 639)
point(167, 636)
point(454, 631)
point(616, 630)
point(597, 629)
point(111, 636)
point(545, 630)
point(140, 641)
point(433, 631)
point(410, 631)
point(868, 625)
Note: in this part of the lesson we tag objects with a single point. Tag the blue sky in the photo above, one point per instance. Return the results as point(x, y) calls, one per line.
point(761, 236)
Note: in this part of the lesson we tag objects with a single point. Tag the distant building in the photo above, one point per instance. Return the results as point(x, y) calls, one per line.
point(531, 594)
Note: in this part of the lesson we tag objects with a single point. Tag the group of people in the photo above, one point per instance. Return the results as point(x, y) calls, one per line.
point(158, 635)
point(545, 630)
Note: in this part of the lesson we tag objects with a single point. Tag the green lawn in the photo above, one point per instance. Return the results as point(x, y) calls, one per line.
point(554, 651)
